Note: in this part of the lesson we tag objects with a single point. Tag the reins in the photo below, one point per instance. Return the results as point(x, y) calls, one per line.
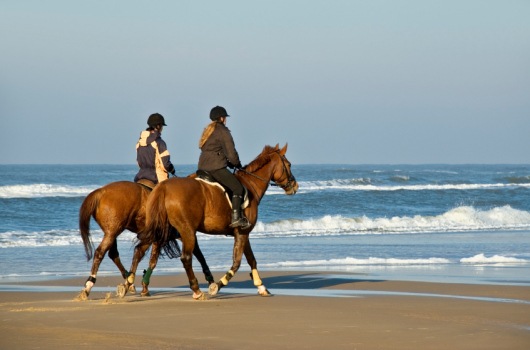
point(289, 179)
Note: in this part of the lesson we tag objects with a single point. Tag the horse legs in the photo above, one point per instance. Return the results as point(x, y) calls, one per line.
point(106, 244)
point(249, 254)
point(205, 269)
point(128, 286)
point(240, 241)
point(188, 246)
point(155, 253)
point(115, 256)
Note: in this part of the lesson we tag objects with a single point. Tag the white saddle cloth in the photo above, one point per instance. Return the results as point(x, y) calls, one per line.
point(245, 201)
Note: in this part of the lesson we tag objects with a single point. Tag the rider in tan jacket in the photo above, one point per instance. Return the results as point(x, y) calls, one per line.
point(152, 155)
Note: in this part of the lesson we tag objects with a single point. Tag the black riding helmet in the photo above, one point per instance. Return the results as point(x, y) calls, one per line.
point(155, 119)
point(218, 112)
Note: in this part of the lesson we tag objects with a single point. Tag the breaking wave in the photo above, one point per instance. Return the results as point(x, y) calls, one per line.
point(355, 184)
point(368, 185)
point(495, 259)
point(44, 190)
point(459, 219)
point(455, 220)
point(13, 239)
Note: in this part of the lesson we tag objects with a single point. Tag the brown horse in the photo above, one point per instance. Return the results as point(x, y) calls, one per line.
point(190, 206)
point(116, 207)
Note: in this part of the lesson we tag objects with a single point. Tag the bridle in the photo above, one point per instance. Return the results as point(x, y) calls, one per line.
point(291, 180)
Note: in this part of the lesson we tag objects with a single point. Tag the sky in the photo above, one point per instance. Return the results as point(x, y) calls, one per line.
point(342, 82)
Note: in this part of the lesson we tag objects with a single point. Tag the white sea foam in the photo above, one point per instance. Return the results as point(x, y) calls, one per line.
point(44, 190)
point(13, 239)
point(357, 262)
point(495, 259)
point(354, 185)
point(455, 220)
point(458, 219)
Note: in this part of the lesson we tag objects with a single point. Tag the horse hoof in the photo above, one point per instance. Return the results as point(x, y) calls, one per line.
point(200, 296)
point(82, 296)
point(264, 292)
point(132, 289)
point(121, 291)
point(213, 289)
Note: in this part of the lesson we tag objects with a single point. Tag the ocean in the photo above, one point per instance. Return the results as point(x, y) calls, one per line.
point(439, 223)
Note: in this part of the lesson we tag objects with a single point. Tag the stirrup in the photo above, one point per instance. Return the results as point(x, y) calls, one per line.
point(242, 223)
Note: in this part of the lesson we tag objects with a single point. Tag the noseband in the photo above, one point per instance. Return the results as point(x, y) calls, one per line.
point(288, 186)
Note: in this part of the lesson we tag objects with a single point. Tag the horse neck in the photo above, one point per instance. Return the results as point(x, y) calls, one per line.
point(257, 186)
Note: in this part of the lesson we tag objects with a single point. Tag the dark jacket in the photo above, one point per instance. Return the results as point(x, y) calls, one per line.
point(218, 149)
point(152, 157)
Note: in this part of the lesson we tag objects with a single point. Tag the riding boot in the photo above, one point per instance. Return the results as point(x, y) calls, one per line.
point(237, 219)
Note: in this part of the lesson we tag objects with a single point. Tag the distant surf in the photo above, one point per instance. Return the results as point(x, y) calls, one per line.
point(355, 184)
point(45, 190)
point(495, 259)
point(464, 218)
point(367, 184)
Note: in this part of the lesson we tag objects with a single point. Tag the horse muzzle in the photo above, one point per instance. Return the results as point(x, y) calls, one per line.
point(291, 187)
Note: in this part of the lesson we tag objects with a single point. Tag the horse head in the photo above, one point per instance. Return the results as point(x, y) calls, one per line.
point(282, 174)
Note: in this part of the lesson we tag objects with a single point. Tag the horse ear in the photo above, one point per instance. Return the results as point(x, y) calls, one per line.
point(277, 147)
point(284, 150)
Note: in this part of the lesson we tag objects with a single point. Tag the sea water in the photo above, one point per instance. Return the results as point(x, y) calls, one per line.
point(442, 223)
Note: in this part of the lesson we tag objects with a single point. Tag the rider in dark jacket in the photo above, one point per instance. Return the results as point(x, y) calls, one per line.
point(152, 155)
point(217, 153)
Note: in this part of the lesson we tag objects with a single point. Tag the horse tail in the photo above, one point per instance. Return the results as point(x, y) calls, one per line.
point(87, 210)
point(157, 228)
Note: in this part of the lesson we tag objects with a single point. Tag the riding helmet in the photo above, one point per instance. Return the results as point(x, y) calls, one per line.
point(218, 112)
point(155, 119)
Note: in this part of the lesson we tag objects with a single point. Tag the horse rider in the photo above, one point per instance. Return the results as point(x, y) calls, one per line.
point(152, 155)
point(217, 153)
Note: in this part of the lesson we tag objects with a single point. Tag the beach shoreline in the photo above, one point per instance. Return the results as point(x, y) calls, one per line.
point(370, 315)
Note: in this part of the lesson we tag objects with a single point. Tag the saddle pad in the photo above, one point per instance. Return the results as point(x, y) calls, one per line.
point(245, 202)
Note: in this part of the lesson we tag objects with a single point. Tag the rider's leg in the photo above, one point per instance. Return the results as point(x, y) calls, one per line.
point(225, 177)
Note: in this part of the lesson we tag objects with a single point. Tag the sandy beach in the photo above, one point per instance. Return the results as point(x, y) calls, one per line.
point(418, 316)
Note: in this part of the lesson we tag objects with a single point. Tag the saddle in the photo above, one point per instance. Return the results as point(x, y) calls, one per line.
point(148, 184)
point(207, 178)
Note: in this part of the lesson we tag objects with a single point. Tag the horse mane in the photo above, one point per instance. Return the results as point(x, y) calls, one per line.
point(262, 159)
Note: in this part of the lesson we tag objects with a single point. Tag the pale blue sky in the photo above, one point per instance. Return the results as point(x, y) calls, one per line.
point(341, 81)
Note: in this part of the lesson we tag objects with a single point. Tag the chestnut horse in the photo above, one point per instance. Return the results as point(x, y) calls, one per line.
point(116, 207)
point(191, 205)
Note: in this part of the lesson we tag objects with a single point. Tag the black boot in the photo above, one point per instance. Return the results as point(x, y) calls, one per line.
point(238, 220)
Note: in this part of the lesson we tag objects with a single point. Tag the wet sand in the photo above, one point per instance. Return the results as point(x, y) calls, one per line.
point(170, 319)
